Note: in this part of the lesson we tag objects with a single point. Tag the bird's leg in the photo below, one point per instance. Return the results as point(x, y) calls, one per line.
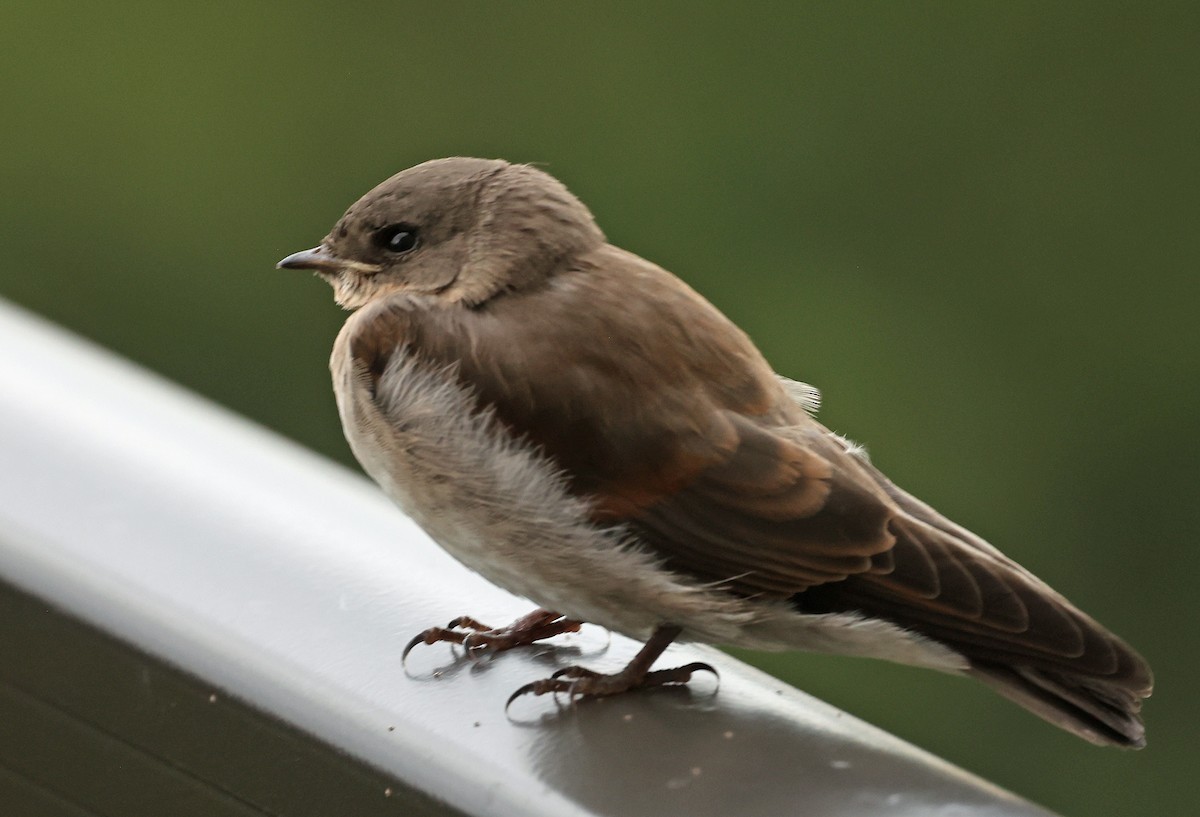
point(477, 637)
point(583, 682)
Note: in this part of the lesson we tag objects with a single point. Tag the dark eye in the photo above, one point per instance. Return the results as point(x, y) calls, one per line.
point(397, 238)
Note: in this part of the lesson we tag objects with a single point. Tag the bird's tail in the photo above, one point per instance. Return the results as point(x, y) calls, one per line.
point(1104, 713)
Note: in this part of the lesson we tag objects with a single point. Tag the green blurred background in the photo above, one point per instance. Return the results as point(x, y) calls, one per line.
point(973, 225)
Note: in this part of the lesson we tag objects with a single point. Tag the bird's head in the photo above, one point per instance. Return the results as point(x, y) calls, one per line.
point(458, 229)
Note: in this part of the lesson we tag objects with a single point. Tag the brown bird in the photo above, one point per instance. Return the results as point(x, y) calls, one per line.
point(583, 429)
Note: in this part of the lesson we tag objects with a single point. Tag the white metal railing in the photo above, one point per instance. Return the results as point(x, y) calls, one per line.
point(293, 584)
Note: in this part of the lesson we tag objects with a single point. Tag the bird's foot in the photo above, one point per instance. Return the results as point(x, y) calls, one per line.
point(479, 639)
point(580, 682)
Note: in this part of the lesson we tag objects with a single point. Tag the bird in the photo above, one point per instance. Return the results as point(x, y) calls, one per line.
point(583, 429)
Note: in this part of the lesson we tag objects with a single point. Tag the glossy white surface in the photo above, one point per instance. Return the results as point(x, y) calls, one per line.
point(293, 584)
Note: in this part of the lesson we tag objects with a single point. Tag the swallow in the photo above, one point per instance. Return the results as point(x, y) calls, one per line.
point(583, 429)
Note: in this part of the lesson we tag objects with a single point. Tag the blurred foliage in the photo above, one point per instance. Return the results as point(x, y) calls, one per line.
point(974, 225)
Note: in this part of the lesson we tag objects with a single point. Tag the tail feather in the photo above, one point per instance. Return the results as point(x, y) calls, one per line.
point(1103, 713)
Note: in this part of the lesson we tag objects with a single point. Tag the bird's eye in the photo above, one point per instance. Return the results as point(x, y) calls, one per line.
point(397, 238)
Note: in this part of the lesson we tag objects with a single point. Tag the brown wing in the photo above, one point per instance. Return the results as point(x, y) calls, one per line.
point(1022, 638)
point(864, 545)
point(951, 585)
point(780, 515)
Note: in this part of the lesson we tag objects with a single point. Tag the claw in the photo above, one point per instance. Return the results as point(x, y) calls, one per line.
point(700, 666)
point(677, 676)
point(409, 647)
point(478, 639)
point(581, 682)
point(431, 636)
point(536, 687)
point(574, 672)
point(468, 623)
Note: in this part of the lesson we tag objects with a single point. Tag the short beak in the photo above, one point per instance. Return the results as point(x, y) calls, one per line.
point(318, 258)
point(323, 261)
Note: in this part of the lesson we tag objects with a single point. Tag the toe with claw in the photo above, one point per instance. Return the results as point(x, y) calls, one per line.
point(478, 638)
point(580, 682)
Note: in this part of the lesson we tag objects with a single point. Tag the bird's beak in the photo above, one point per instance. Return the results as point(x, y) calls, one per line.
point(318, 258)
point(325, 262)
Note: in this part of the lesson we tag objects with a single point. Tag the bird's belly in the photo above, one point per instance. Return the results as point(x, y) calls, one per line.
point(488, 499)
